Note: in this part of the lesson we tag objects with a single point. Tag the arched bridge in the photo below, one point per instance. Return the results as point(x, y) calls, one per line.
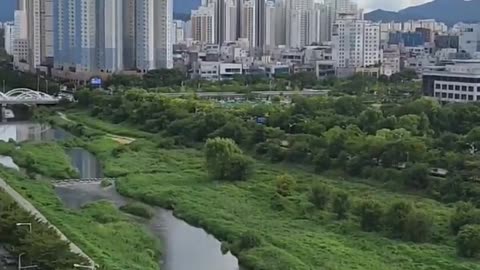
point(27, 96)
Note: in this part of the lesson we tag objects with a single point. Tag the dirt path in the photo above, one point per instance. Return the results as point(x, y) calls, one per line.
point(117, 138)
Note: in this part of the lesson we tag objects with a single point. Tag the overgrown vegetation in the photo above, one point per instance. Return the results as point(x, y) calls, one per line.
point(302, 220)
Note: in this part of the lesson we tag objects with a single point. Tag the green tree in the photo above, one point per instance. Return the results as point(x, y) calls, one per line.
point(163, 77)
point(473, 139)
point(320, 195)
point(341, 204)
point(225, 160)
point(465, 214)
point(417, 176)
point(371, 213)
point(468, 241)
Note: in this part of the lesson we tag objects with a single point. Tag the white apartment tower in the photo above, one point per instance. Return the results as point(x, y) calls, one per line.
point(298, 22)
point(203, 24)
point(280, 22)
point(320, 27)
point(232, 8)
point(248, 22)
point(270, 23)
point(356, 43)
point(9, 37)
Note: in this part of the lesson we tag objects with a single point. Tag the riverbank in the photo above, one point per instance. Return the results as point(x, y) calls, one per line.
point(290, 234)
point(103, 232)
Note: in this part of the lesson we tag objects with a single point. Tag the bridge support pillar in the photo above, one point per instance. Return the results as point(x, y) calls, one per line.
point(4, 116)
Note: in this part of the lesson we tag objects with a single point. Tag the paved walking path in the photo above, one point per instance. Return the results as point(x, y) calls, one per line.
point(27, 206)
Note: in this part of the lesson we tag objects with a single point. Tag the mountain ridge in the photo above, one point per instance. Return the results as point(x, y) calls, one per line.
point(447, 11)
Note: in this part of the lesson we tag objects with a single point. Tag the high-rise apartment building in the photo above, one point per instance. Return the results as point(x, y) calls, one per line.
point(112, 35)
point(320, 28)
point(260, 25)
point(270, 27)
point(153, 34)
point(298, 22)
point(204, 24)
point(232, 20)
point(248, 22)
point(9, 36)
point(356, 43)
point(178, 32)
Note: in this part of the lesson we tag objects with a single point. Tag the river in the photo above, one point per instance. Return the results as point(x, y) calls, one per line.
point(184, 247)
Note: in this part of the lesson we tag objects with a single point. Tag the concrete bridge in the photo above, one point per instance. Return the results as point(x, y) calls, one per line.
point(27, 96)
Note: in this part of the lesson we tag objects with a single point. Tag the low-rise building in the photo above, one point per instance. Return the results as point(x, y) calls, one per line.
point(457, 82)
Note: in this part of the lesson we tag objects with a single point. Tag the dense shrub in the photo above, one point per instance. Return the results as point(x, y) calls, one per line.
point(465, 213)
point(225, 160)
point(138, 209)
point(371, 213)
point(468, 241)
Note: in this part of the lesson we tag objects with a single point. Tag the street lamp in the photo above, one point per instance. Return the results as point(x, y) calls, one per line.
point(25, 224)
point(91, 267)
point(20, 267)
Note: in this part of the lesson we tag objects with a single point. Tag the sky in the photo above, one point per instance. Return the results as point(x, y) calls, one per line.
point(393, 5)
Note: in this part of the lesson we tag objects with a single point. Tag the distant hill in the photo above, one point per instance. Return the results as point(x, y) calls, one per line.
point(181, 9)
point(447, 11)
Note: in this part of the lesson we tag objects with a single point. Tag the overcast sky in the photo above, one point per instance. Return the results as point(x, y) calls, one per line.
point(389, 4)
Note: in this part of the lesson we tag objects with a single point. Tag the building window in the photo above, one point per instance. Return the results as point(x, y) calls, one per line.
point(444, 95)
point(470, 97)
point(457, 96)
point(464, 97)
point(450, 95)
point(444, 86)
point(464, 88)
point(437, 94)
point(450, 87)
point(470, 89)
point(457, 87)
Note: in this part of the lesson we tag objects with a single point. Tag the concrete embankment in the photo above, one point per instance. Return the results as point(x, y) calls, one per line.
point(27, 206)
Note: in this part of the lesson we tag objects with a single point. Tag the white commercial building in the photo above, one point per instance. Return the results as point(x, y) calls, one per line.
point(356, 43)
point(469, 37)
point(459, 82)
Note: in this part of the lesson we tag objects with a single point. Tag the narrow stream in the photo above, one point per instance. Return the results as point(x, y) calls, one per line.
point(185, 247)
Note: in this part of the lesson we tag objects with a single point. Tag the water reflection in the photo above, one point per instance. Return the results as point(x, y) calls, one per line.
point(9, 163)
point(85, 163)
point(189, 247)
point(28, 131)
point(185, 247)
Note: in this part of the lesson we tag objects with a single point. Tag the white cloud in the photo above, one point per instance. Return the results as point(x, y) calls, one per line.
point(389, 4)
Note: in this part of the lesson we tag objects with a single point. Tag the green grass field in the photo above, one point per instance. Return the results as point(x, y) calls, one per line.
point(295, 237)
